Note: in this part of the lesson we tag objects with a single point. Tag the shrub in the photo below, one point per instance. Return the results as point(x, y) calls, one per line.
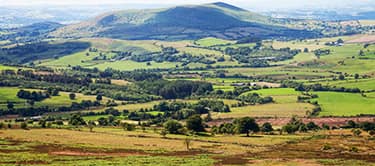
point(24, 125)
point(326, 147)
point(173, 127)
point(266, 127)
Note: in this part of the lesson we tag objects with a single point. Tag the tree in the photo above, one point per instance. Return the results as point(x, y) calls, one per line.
point(173, 127)
point(356, 76)
point(306, 50)
point(76, 120)
point(24, 125)
point(99, 97)
point(91, 124)
point(289, 128)
point(72, 96)
point(351, 124)
point(340, 41)
point(361, 53)
point(266, 127)
point(187, 143)
point(245, 125)
point(195, 123)
point(128, 127)
point(55, 92)
point(163, 133)
point(312, 126)
point(356, 132)
point(341, 77)
point(371, 132)
point(30, 102)
point(42, 123)
point(10, 105)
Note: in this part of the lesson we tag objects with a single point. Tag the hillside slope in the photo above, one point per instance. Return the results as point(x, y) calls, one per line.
point(219, 20)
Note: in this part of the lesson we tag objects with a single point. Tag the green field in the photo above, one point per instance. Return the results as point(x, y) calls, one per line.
point(267, 110)
point(363, 84)
point(2, 67)
point(208, 42)
point(132, 65)
point(344, 104)
point(10, 94)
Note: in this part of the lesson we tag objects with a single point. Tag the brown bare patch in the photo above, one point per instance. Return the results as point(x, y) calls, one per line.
point(363, 39)
point(331, 121)
point(312, 149)
point(231, 160)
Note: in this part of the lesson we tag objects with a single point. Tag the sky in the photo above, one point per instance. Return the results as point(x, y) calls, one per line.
point(248, 4)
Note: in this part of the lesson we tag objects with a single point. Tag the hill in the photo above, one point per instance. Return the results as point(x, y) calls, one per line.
point(218, 20)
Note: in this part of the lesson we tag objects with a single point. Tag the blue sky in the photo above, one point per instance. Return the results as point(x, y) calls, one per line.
point(248, 4)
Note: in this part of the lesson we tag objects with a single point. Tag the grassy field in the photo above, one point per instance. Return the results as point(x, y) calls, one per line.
point(2, 67)
point(344, 104)
point(112, 146)
point(207, 42)
point(10, 94)
point(363, 84)
point(132, 65)
point(267, 110)
point(280, 95)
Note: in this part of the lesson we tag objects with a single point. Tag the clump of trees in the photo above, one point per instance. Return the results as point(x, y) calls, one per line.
point(176, 89)
point(254, 98)
point(322, 52)
point(296, 124)
point(33, 95)
point(317, 87)
point(245, 125)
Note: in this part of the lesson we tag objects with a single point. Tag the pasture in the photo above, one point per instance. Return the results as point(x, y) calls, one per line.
point(10, 94)
point(208, 42)
point(344, 104)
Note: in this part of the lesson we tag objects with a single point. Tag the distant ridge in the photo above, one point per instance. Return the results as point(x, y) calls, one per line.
point(228, 6)
point(218, 20)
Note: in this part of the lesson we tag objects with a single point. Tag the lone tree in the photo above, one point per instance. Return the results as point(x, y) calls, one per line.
point(99, 97)
point(356, 76)
point(341, 77)
point(24, 125)
point(195, 123)
point(10, 105)
point(72, 96)
point(187, 143)
point(245, 125)
point(91, 124)
point(306, 50)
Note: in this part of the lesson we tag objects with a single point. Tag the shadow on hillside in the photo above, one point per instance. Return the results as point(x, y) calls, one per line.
point(38, 51)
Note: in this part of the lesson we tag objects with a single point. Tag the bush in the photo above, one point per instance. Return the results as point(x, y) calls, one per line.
point(266, 127)
point(326, 147)
point(356, 132)
point(128, 127)
point(24, 125)
point(195, 123)
point(173, 127)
